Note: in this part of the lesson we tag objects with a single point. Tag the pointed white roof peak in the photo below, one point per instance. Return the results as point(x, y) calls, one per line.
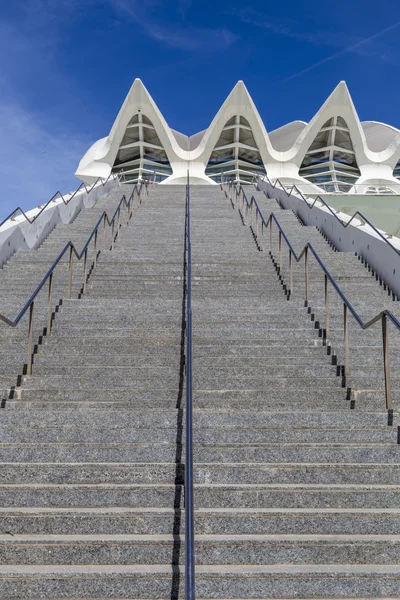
point(290, 142)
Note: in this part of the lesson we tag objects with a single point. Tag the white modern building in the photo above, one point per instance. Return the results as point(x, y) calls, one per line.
point(333, 153)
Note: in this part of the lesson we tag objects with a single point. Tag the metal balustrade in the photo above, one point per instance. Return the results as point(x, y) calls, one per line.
point(20, 211)
point(72, 251)
point(311, 203)
point(252, 215)
point(189, 506)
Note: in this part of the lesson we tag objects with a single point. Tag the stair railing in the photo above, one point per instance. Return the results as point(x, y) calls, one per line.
point(70, 250)
point(259, 227)
point(189, 506)
point(57, 195)
point(310, 204)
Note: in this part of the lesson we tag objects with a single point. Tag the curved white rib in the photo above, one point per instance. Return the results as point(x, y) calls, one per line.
point(376, 168)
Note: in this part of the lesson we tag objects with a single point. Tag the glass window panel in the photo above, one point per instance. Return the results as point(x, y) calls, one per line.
point(226, 159)
point(250, 156)
point(131, 136)
point(347, 178)
point(320, 179)
point(321, 141)
point(315, 159)
point(343, 140)
point(311, 169)
point(246, 137)
point(346, 169)
point(329, 187)
point(219, 156)
point(127, 154)
point(155, 167)
point(341, 122)
point(158, 154)
point(127, 166)
point(220, 169)
point(227, 137)
point(150, 136)
point(344, 158)
point(131, 157)
point(135, 119)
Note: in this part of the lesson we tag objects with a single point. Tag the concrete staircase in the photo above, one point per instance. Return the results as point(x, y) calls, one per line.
point(296, 494)
point(21, 274)
point(362, 287)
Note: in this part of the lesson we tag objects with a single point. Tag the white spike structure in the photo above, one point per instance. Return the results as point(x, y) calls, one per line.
point(334, 152)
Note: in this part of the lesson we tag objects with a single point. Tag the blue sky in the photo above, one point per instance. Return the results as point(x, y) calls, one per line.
point(67, 65)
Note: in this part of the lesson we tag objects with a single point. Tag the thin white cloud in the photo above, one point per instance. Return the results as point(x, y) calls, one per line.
point(337, 39)
point(349, 49)
point(184, 37)
point(38, 153)
point(35, 162)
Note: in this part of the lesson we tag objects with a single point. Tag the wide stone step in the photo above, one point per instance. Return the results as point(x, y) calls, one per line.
point(128, 549)
point(202, 419)
point(281, 473)
point(207, 437)
point(218, 581)
point(232, 376)
point(300, 453)
point(231, 521)
point(166, 453)
point(138, 399)
point(101, 452)
point(236, 473)
point(93, 473)
point(91, 495)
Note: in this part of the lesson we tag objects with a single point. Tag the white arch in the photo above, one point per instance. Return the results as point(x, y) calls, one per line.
point(375, 167)
point(100, 158)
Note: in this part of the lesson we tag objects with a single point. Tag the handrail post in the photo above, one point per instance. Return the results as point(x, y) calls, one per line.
point(291, 272)
point(49, 306)
point(84, 271)
point(346, 339)
point(280, 252)
point(30, 340)
point(95, 250)
point(70, 273)
point(104, 233)
point(257, 228)
point(386, 363)
point(112, 234)
point(270, 234)
point(326, 307)
point(307, 276)
point(132, 205)
point(262, 236)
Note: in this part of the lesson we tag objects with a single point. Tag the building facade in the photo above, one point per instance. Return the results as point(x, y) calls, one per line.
point(333, 153)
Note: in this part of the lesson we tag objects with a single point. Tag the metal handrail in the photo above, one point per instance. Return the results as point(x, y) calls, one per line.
point(189, 508)
point(357, 215)
point(383, 316)
point(19, 210)
point(73, 252)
